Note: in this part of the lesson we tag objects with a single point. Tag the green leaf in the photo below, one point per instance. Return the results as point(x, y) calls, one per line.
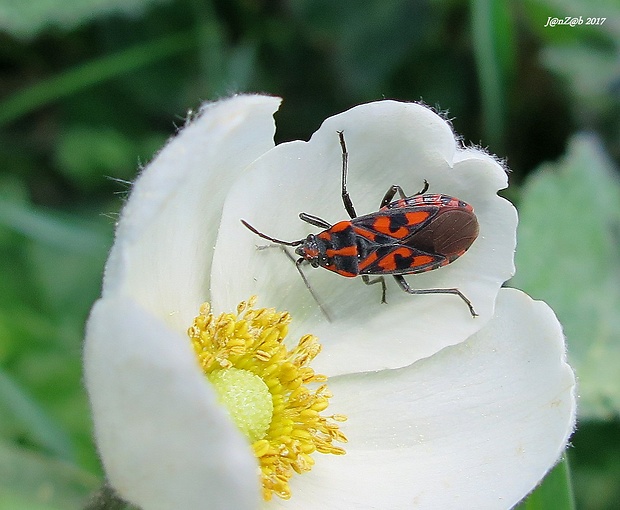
point(35, 482)
point(50, 228)
point(494, 48)
point(91, 73)
point(368, 39)
point(555, 491)
point(30, 418)
point(86, 154)
point(67, 282)
point(568, 254)
point(26, 19)
point(591, 73)
point(595, 465)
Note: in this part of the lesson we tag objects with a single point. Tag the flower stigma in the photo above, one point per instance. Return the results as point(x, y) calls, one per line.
point(265, 388)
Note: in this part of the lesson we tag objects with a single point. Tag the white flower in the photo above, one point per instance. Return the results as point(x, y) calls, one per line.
point(389, 143)
point(444, 410)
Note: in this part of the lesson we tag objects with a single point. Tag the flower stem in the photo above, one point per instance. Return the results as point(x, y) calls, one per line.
point(106, 499)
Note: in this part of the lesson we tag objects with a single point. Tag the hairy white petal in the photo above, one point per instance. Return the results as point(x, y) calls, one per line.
point(165, 237)
point(388, 143)
point(164, 440)
point(494, 411)
point(475, 426)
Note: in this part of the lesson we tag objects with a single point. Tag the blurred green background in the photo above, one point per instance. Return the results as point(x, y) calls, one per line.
point(90, 89)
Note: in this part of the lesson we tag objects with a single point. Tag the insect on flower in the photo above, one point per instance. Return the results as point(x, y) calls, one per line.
point(413, 234)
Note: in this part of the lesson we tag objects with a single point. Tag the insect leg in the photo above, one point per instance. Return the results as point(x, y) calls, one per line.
point(379, 279)
point(390, 195)
point(314, 220)
point(397, 189)
point(346, 199)
point(424, 188)
point(298, 263)
point(405, 286)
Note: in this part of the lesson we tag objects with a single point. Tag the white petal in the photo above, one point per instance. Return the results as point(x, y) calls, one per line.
point(475, 426)
point(165, 237)
point(164, 441)
point(388, 143)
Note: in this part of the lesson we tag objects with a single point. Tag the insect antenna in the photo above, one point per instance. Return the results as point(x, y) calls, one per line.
point(269, 238)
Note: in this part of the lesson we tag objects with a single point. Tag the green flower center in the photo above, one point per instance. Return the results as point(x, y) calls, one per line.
point(247, 399)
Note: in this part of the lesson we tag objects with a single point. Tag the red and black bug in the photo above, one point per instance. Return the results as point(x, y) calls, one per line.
point(413, 234)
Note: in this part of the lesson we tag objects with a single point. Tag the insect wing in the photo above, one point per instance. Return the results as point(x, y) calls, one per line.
point(393, 224)
point(397, 259)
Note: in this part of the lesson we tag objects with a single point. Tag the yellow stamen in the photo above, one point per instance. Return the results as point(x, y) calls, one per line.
point(244, 356)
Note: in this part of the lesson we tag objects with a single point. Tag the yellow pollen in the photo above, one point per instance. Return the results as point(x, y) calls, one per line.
point(265, 388)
